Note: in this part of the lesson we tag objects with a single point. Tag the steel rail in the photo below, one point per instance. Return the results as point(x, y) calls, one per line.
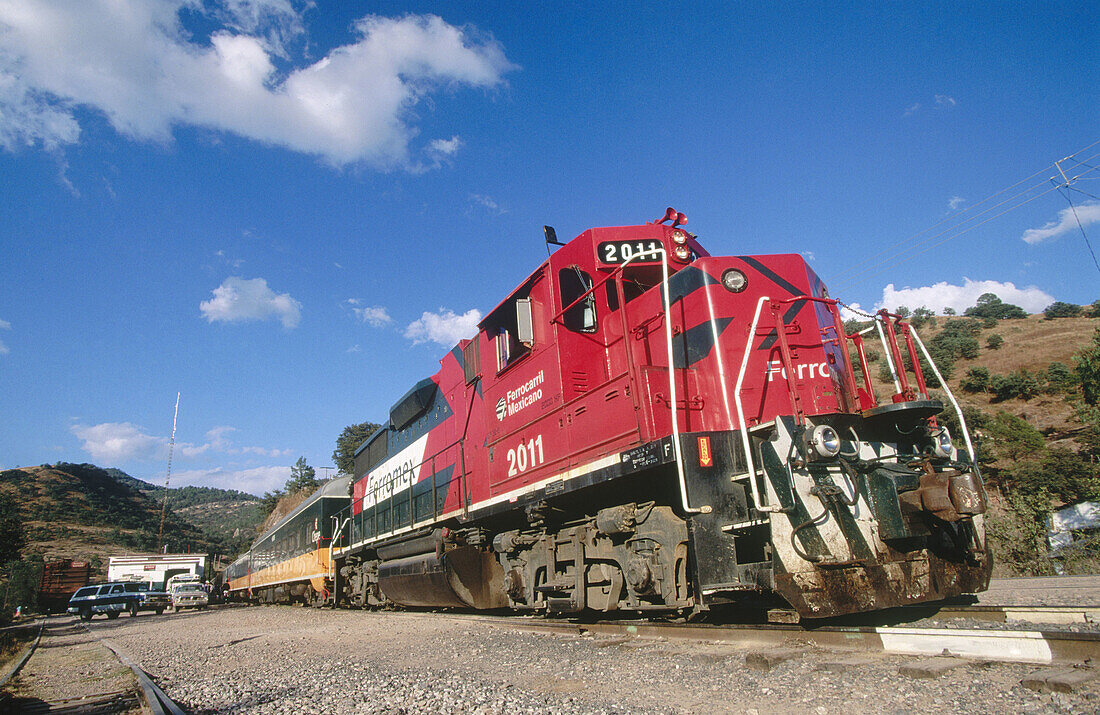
point(23, 657)
point(155, 698)
point(1014, 646)
point(1003, 614)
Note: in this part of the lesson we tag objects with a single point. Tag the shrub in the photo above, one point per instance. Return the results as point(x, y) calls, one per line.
point(1013, 437)
point(1017, 384)
point(976, 380)
point(994, 341)
point(1060, 378)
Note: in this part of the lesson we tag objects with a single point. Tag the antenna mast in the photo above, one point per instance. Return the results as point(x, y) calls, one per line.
point(168, 474)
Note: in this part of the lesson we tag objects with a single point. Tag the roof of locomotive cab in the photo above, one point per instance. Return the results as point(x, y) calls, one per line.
point(589, 237)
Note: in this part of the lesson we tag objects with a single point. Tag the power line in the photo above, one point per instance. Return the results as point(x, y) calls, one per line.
point(957, 229)
point(895, 248)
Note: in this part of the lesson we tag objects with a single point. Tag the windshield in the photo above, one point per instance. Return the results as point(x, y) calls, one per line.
point(86, 592)
point(190, 587)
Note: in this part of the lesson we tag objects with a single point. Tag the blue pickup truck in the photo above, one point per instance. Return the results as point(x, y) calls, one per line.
point(112, 599)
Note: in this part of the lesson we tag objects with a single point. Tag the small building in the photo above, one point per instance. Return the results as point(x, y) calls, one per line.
point(156, 569)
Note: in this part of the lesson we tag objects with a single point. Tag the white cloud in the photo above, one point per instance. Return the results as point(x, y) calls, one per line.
point(4, 325)
point(960, 297)
point(912, 109)
point(237, 300)
point(115, 442)
point(375, 317)
point(846, 312)
point(134, 61)
point(488, 202)
point(440, 150)
point(254, 481)
point(443, 327)
point(1087, 213)
point(944, 100)
point(955, 202)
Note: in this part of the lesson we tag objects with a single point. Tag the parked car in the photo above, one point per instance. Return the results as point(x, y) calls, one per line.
point(113, 598)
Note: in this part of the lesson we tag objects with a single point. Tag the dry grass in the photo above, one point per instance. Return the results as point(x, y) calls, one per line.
point(1031, 344)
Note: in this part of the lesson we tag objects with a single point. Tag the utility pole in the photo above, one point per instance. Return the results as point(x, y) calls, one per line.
point(168, 474)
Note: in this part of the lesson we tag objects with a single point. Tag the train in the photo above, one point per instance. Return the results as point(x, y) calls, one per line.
point(642, 427)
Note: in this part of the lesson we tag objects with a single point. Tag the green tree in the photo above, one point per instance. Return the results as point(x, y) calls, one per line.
point(949, 311)
point(994, 341)
point(1062, 310)
point(1060, 378)
point(1019, 384)
point(302, 476)
point(269, 501)
point(12, 535)
point(349, 441)
point(989, 306)
point(1013, 437)
point(1087, 366)
point(976, 380)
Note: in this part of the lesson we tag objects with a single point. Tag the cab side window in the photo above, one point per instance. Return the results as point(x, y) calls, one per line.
point(573, 283)
point(515, 334)
point(117, 589)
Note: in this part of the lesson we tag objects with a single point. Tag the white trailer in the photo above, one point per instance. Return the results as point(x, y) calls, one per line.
point(155, 569)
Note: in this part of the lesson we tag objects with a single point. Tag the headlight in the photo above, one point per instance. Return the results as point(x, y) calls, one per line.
point(679, 237)
point(681, 252)
point(734, 280)
point(826, 441)
point(941, 443)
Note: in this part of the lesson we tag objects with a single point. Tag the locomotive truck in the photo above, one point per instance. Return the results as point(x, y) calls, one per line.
point(641, 426)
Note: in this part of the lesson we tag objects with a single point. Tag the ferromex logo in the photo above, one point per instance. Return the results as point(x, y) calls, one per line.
point(803, 370)
point(515, 400)
point(396, 475)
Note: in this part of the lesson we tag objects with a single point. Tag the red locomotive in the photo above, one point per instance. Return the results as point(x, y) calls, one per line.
point(643, 426)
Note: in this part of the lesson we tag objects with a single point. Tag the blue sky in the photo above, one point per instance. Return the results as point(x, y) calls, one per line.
point(287, 212)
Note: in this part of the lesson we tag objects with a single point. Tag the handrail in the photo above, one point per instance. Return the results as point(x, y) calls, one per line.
point(950, 396)
point(667, 299)
point(746, 441)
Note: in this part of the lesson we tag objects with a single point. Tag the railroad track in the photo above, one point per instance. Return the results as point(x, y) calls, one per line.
point(1016, 646)
point(148, 698)
point(1002, 614)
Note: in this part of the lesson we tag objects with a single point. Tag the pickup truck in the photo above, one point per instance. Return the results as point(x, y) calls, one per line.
point(111, 599)
point(187, 591)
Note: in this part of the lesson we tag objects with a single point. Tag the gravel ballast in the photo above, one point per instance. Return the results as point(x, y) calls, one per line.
point(281, 659)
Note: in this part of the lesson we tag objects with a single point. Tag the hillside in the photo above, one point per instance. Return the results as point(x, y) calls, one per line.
point(225, 515)
point(81, 511)
point(1030, 344)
